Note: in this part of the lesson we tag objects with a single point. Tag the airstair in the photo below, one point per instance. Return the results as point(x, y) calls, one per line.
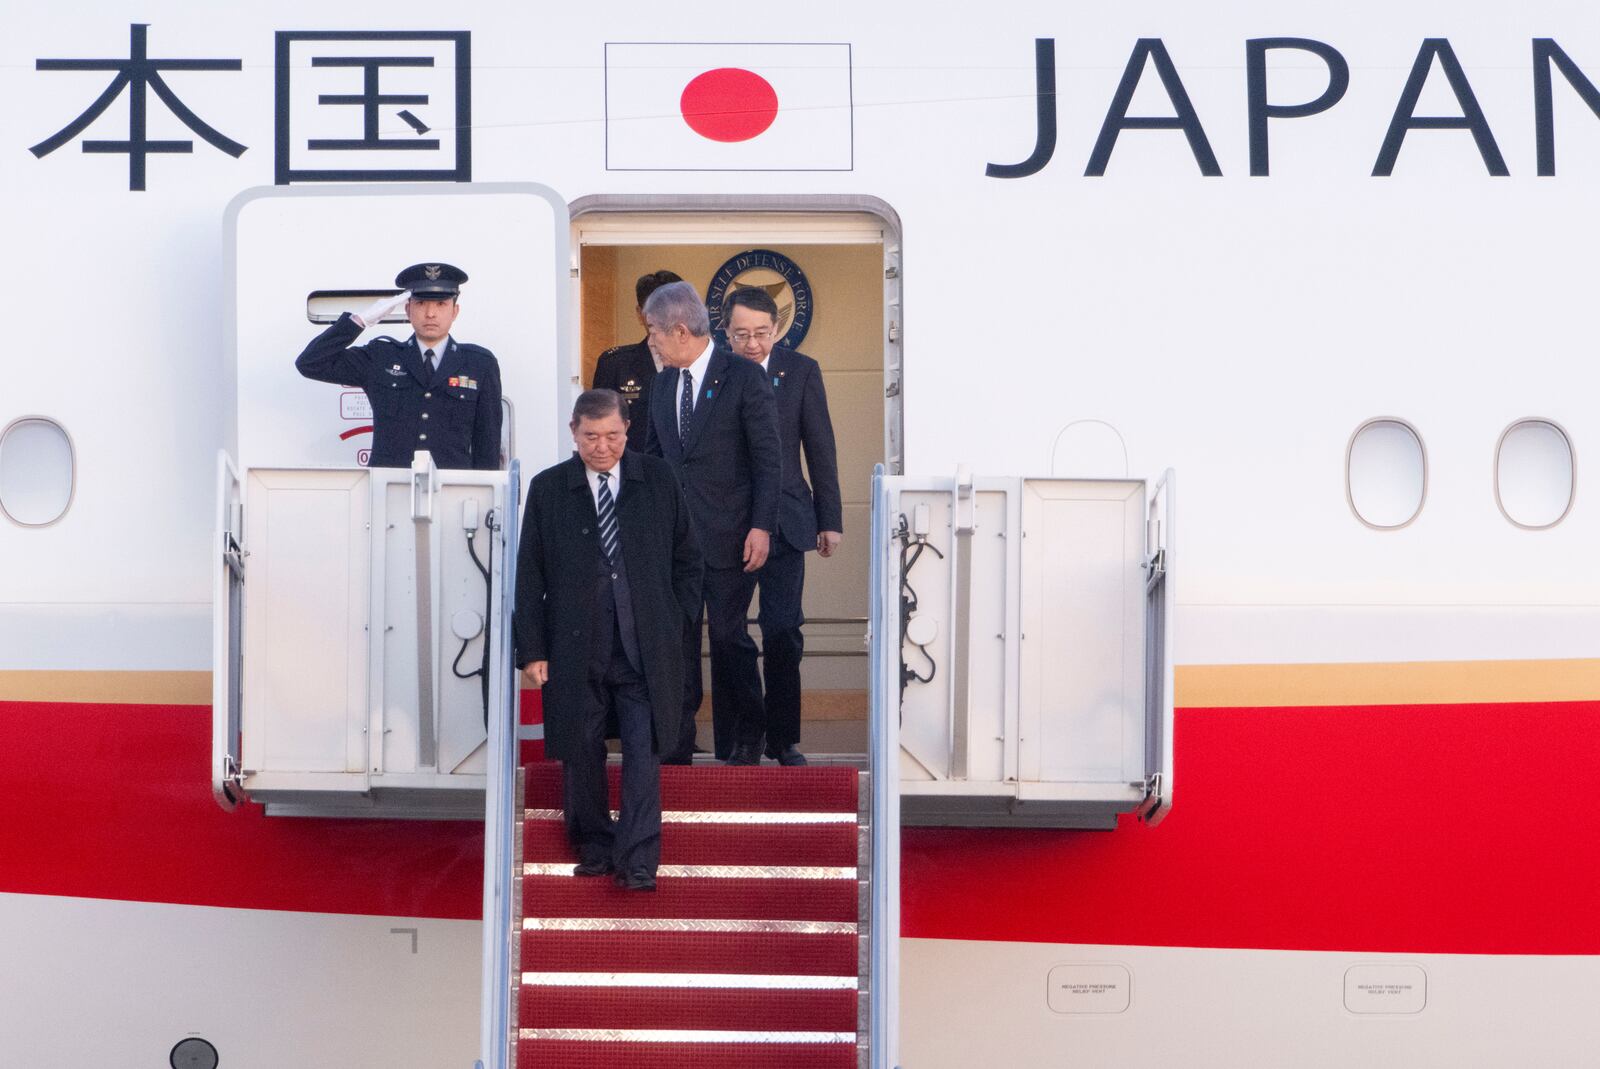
point(752, 952)
point(1020, 675)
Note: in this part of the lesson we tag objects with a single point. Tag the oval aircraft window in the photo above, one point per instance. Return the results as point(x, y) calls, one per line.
point(1533, 474)
point(37, 471)
point(1386, 473)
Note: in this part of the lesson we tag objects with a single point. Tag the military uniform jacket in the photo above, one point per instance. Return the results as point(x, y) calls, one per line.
point(803, 420)
point(556, 561)
point(629, 369)
point(731, 464)
point(455, 414)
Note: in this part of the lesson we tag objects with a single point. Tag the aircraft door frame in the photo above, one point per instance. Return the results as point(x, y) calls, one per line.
point(799, 219)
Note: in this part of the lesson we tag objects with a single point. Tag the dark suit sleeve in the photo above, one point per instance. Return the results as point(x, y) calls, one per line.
point(527, 619)
point(822, 456)
point(688, 565)
point(486, 427)
point(606, 376)
point(331, 358)
point(759, 412)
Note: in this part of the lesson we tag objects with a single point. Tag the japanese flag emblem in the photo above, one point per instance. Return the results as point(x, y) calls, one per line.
point(728, 107)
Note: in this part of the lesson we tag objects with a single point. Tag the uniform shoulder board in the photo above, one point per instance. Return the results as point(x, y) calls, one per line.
point(613, 351)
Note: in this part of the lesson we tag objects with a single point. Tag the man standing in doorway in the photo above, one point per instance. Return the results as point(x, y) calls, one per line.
point(608, 576)
point(713, 418)
point(430, 393)
point(629, 369)
point(809, 517)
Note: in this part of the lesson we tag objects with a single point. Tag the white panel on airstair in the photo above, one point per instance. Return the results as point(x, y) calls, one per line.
point(305, 634)
point(1031, 619)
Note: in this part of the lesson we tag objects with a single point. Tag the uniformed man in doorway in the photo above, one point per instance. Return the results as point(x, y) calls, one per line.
point(429, 393)
point(809, 516)
point(629, 369)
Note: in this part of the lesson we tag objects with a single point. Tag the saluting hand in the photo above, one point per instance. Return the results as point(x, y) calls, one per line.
point(756, 546)
point(537, 672)
point(373, 315)
point(827, 542)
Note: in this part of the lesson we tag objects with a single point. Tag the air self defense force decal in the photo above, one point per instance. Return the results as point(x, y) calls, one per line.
point(783, 280)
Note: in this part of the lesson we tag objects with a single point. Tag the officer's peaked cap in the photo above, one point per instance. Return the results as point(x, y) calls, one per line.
point(431, 281)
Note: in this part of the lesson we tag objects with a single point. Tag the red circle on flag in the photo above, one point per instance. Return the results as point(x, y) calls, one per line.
point(729, 104)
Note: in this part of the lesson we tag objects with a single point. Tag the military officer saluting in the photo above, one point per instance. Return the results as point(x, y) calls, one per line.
point(429, 392)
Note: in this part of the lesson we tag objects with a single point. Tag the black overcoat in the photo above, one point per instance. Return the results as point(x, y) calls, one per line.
point(556, 568)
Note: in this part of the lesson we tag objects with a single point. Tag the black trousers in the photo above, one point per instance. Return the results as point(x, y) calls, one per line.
point(633, 841)
point(738, 714)
point(782, 582)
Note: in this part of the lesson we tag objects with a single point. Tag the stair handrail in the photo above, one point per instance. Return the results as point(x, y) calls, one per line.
point(499, 804)
point(883, 749)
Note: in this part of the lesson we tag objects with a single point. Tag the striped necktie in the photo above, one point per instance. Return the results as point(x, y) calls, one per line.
point(608, 518)
point(686, 408)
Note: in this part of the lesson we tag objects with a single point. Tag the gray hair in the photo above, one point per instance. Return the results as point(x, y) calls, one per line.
point(678, 302)
point(598, 404)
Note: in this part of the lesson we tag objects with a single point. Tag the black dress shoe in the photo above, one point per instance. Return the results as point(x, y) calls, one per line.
point(595, 867)
point(745, 754)
point(637, 880)
point(790, 755)
point(678, 759)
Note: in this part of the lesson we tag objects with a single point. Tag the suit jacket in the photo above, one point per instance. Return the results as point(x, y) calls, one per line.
point(556, 564)
point(803, 420)
point(629, 369)
point(730, 466)
point(453, 414)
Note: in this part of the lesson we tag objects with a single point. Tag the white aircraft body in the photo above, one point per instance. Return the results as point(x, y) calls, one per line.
point(1329, 263)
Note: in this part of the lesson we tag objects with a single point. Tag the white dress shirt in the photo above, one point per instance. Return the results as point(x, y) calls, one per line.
point(594, 483)
point(698, 370)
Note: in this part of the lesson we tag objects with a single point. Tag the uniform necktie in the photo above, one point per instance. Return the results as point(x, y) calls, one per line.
point(608, 518)
point(686, 407)
point(427, 362)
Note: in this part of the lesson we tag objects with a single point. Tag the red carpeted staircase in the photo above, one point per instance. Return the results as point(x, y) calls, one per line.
point(748, 954)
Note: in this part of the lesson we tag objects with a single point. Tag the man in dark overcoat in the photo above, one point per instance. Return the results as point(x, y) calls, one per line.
point(712, 416)
point(608, 577)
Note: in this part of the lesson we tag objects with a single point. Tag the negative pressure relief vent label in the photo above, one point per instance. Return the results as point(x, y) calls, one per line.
point(1090, 988)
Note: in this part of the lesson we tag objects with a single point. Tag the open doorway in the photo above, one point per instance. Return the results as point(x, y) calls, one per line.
point(835, 275)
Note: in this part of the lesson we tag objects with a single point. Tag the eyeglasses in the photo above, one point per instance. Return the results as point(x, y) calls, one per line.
point(739, 337)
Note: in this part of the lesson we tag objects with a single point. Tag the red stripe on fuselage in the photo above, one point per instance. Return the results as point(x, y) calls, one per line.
point(1424, 829)
point(114, 801)
point(1420, 829)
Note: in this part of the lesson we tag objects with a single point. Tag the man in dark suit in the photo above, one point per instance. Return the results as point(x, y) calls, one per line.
point(608, 578)
point(712, 416)
point(806, 520)
point(629, 369)
point(429, 393)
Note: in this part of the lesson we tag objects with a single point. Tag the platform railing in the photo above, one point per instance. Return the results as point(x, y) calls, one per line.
point(883, 752)
point(499, 811)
